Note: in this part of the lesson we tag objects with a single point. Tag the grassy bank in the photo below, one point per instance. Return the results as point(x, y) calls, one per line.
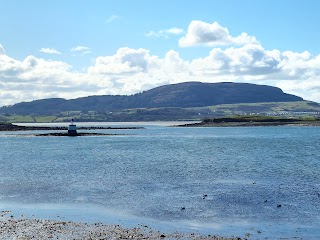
point(237, 121)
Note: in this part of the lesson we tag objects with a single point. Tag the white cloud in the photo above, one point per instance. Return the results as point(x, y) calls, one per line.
point(125, 61)
point(165, 33)
point(49, 51)
point(129, 71)
point(2, 50)
point(112, 18)
point(251, 60)
point(33, 78)
point(206, 34)
point(176, 31)
point(80, 50)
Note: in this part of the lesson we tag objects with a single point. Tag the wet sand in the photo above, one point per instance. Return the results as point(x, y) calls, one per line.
point(21, 228)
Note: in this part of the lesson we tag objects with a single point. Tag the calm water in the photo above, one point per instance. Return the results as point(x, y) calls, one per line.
point(148, 175)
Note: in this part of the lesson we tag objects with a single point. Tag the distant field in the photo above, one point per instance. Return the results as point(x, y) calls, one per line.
point(27, 119)
point(267, 108)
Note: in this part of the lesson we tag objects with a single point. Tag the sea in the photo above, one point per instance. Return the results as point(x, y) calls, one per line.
point(249, 182)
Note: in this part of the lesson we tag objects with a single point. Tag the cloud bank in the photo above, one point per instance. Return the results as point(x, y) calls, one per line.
point(129, 70)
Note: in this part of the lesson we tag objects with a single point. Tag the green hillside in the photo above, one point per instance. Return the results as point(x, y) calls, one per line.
point(284, 109)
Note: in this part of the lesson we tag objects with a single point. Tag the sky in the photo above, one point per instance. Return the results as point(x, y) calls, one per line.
point(76, 48)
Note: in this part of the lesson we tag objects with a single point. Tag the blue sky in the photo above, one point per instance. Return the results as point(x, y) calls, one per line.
point(78, 48)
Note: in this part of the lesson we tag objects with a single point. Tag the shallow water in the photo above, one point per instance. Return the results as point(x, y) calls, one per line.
point(150, 174)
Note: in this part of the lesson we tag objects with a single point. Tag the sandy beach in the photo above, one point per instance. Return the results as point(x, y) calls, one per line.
point(23, 229)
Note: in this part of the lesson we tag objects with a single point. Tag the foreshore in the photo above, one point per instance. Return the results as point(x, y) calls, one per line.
point(22, 228)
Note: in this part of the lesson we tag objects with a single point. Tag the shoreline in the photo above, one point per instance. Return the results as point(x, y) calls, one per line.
point(26, 228)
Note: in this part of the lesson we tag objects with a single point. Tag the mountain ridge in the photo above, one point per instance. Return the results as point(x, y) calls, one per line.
point(180, 95)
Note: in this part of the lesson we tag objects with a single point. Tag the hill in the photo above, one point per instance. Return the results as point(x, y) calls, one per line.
point(182, 95)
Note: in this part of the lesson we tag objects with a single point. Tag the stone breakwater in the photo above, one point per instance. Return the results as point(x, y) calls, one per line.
point(59, 134)
point(13, 127)
point(18, 229)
